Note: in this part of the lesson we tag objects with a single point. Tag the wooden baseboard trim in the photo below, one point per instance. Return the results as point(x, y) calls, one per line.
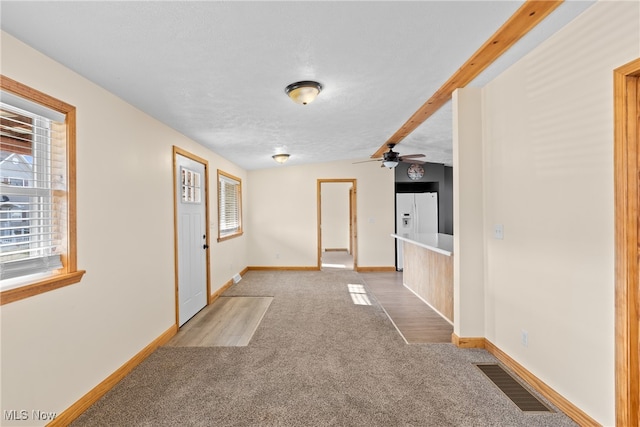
point(282, 268)
point(572, 411)
point(336, 250)
point(74, 411)
point(467, 342)
point(295, 268)
point(361, 269)
point(214, 296)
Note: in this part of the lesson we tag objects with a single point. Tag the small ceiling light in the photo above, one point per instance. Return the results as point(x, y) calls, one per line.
point(390, 163)
point(303, 92)
point(280, 158)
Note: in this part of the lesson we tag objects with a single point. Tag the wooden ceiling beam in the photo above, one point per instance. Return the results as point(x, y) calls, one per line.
point(530, 14)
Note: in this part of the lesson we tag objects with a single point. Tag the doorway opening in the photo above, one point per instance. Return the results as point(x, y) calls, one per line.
point(337, 224)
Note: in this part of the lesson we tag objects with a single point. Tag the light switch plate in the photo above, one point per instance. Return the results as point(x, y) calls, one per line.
point(498, 231)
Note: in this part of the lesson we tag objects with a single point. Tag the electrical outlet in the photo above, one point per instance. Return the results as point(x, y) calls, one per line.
point(525, 338)
point(498, 231)
point(277, 255)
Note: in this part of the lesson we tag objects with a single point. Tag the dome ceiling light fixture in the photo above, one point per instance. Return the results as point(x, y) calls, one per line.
point(303, 92)
point(280, 158)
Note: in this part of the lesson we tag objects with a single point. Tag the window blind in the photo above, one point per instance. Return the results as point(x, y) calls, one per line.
point(229, 205)
point(32, 187)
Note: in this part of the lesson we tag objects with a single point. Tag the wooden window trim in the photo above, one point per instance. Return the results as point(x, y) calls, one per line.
point(231, 236)
point(69, 274)
point(240, 231)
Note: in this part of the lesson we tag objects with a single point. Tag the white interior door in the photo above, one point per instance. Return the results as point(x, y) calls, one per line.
point(192, 237)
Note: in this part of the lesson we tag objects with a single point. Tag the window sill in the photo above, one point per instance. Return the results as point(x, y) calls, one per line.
point(41, 286)
point(229, 236)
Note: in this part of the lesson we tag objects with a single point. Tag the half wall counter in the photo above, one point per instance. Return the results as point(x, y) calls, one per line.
point(428, 269)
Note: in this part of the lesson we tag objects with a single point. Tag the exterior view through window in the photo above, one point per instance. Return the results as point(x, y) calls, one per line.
point(35, 196)
point(229, 206)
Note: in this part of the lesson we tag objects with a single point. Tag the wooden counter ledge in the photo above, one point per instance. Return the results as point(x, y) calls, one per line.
point(428, 269)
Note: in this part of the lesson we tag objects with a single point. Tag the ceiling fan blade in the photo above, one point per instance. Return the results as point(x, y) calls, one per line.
point(412, 155)
point(419, 162)
point(366, 161)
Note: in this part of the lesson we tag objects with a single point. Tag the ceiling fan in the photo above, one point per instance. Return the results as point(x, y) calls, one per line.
point(390, 159)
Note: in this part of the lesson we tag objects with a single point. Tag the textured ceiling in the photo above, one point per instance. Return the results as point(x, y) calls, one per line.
point(216, 71)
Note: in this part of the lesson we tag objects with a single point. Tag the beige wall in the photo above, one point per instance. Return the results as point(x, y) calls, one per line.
point(59, 345)
point(468, 216)
point(283, 231)
point(548, 172)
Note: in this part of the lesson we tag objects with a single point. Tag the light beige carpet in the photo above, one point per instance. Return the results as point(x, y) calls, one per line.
point(317, 359)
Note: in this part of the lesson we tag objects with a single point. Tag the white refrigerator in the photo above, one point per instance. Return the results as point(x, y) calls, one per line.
point(416, 213)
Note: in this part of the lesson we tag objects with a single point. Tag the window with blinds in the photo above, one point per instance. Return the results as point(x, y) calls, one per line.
point(229, 206)
point(37, 200)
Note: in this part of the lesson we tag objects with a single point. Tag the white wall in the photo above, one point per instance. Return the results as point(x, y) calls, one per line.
point(549, 179)
point(335, 215)
point(59, 345)
point(283, 231)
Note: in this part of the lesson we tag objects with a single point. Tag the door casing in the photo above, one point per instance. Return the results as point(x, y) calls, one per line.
point(178, 151)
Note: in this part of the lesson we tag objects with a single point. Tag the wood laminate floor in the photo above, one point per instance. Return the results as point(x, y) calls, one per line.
point(415, 320)
point(228, 322)
point(341, 260)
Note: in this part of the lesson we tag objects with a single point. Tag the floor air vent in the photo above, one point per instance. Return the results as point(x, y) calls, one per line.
point(513, 389)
